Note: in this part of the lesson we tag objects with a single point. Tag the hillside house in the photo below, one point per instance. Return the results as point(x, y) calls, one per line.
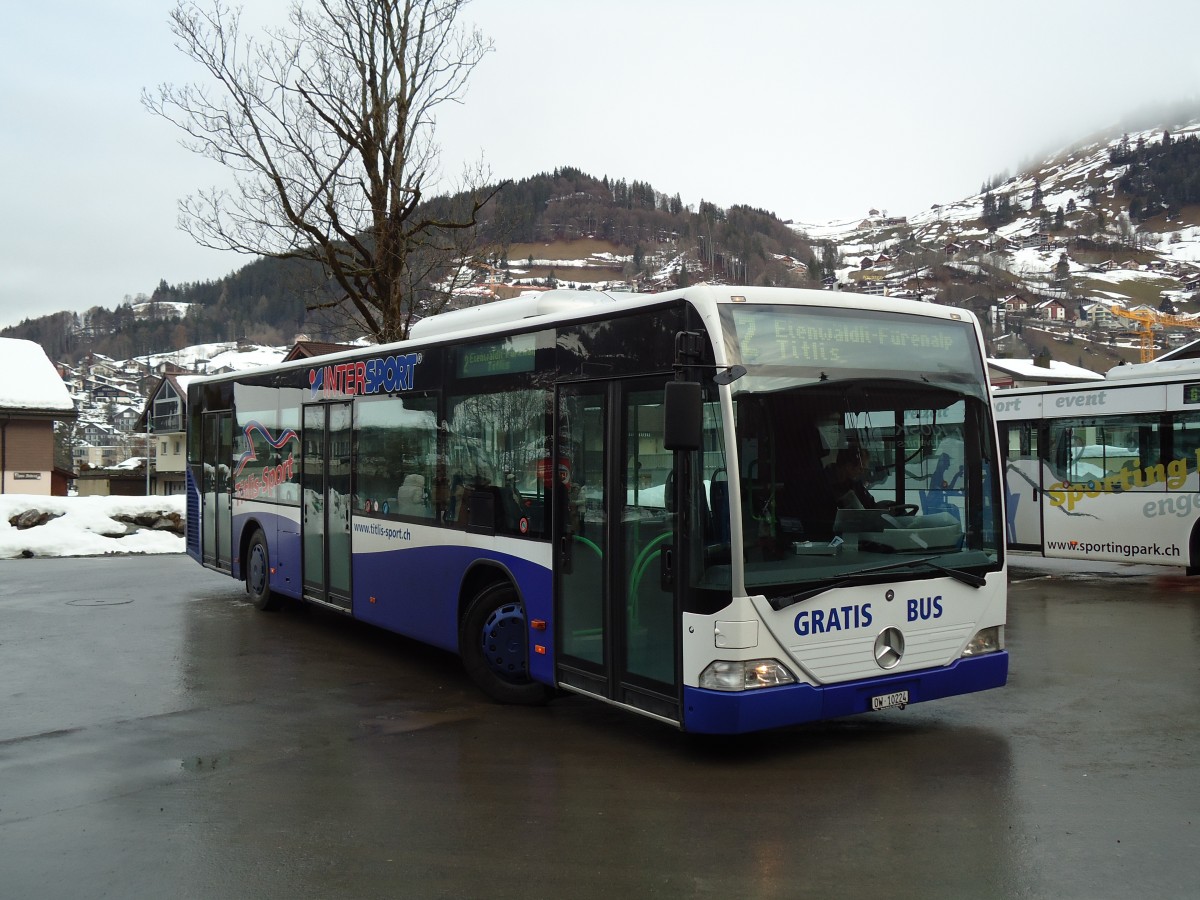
point(166, 410)
point(32, 398)
point(96, 363)
point(98, 444)
point(166, 367)
point(306, 349)
point(1015, 303)
point(1051, 310)
point(1100, 315)
point(125, 417)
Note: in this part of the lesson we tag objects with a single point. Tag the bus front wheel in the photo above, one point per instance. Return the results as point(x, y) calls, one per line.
point(258, 573)
point(495, 647)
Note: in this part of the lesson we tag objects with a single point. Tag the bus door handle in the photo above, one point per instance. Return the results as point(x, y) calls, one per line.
point(565, 543)
point(666, 568)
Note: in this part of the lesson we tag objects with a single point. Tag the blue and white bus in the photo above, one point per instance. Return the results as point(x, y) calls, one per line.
point(632, 497)
point(1106, 470)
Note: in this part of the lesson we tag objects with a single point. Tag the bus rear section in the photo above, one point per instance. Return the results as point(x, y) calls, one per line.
point(1106, 470)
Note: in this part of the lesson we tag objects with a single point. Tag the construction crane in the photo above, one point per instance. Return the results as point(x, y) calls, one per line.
point(1147, 318)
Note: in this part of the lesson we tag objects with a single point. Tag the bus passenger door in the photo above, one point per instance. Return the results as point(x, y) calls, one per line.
point(1024, 473)
point(616, 604)
point(216, 444)
point(326, 488)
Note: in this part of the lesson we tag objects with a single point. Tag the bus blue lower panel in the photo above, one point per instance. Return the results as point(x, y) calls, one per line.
point(192, 527)
point(415, 593)
point(734, 712)
point(283, 544)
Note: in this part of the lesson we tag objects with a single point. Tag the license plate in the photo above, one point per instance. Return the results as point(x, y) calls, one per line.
point(887, 701)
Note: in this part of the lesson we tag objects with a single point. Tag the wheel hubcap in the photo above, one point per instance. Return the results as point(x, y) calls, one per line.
point(258, 569)
point(504, 643)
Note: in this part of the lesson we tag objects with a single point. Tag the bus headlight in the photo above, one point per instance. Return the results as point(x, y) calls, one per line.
point(744, 675)
point(987, 641)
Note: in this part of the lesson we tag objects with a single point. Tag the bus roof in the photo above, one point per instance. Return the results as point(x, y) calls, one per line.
point(548, 308)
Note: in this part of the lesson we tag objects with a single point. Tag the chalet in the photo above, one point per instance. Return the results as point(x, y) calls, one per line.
point(125, 417)
point(306, 349)
point(1051, 310)
point(96, 363)
point(166, 367)
point(164, 420)
point(32, 398)
point(1015, 303)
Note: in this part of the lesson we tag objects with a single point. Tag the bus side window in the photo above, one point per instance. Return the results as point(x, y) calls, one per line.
point(495, 444)
point(398, 456)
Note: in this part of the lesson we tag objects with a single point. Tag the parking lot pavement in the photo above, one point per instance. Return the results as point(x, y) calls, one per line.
point(160, 737)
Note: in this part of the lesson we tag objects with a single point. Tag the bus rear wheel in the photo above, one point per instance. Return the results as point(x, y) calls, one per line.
point(495, 647)
point(258, 573)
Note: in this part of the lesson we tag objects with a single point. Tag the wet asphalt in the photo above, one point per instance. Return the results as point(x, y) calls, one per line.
point(160, 737)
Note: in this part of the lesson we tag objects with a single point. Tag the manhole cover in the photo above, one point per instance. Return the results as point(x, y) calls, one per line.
point(98, 601)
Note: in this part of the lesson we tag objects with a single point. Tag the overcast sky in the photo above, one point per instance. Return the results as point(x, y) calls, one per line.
point(815, 111)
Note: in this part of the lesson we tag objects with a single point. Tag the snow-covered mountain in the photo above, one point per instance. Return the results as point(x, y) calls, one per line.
point(1067, 208)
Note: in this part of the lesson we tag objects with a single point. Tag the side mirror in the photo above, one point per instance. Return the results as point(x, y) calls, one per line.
point(683, 415)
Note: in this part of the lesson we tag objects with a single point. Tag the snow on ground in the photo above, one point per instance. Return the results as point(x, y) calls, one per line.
point(86, 526)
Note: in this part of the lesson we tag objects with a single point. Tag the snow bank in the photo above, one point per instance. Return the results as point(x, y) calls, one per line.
point(87, 526)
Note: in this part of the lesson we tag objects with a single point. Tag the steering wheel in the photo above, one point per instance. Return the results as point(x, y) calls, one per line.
point(903, 509)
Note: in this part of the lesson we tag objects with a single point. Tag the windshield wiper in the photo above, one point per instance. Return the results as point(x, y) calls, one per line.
point(847, 578)
point(787, 600)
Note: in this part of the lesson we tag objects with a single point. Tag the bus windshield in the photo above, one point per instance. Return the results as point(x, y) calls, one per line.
point(864, 449)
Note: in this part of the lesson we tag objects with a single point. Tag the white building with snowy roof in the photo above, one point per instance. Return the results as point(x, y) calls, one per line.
point(32, 398)
point(1010, 373)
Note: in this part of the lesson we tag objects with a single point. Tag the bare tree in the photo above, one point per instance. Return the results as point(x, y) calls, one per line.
point(327, 126)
